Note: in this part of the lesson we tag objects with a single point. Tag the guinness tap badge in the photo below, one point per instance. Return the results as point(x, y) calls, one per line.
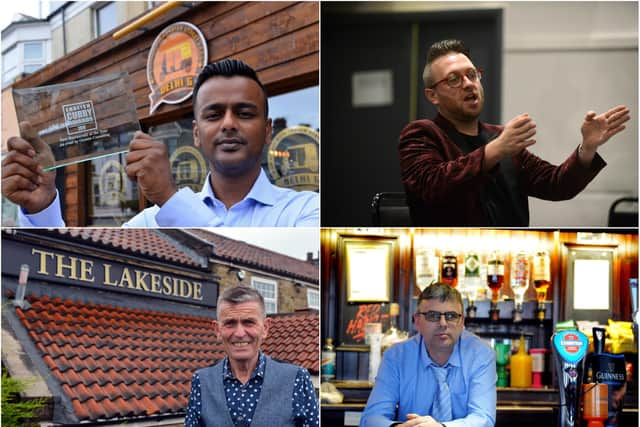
point(177, 55)
point(293, 158)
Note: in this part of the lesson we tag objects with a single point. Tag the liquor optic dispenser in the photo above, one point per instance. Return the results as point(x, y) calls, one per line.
point(449, 273)
point(495, 279)
point(472, 281)
point(570, 348)
point(541, 280)
point(520, 269)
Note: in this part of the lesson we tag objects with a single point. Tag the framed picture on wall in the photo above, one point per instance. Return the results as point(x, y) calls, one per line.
point(368, 270)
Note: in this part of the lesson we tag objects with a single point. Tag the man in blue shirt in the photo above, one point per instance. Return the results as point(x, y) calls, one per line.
point(248, 388)
point(231, 127)
point(443, 376)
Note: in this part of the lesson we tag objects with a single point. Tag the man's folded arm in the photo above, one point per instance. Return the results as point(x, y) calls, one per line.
point(383, 400)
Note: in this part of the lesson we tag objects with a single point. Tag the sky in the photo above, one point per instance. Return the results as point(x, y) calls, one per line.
point(295, 242)
point(27, 7)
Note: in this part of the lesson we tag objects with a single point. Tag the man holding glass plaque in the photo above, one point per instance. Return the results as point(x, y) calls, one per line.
point(231, 127)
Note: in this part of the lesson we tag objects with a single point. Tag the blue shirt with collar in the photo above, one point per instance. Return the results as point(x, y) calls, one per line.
point(405, 379)
point(266, 205)
point(242, 399)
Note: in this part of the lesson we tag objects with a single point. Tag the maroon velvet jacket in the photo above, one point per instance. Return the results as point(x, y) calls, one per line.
point(443, 184)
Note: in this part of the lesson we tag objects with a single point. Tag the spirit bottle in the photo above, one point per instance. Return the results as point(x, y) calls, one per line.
point(472, 282)
point(541, 279)
point(450, 269)
point(520, 270)
point(495, 279)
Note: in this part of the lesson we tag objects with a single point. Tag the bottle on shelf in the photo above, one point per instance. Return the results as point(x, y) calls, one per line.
point(537, 367)
point(472, 281)
point(427, 268)
point(328, 364)
point(541, 279)
point(495, 279)
point(449, 273)
point(503, 351)
point(521, 366)
point(393, 334)
point(520, 272)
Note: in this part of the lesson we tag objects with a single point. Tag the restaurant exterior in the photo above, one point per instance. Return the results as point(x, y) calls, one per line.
point(162, 59)
point(109, 325)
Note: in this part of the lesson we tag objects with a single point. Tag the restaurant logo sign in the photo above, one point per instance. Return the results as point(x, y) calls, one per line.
point(112, 180)
point(177, 55)
point(71, 269)
point(293, 158)
point(189, 168)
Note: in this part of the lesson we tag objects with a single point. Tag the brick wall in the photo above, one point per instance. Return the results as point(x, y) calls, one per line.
point(291, 297)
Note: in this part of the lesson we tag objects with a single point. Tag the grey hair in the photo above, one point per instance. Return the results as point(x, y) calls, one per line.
point(239, 294)
point(442, 292)
point(438, 49)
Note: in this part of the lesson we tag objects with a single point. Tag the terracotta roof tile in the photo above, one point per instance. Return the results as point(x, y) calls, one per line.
point(116, 362)
point(250, 255)
point(138, 241)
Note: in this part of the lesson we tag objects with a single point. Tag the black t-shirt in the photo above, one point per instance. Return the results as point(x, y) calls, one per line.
point(497, 201)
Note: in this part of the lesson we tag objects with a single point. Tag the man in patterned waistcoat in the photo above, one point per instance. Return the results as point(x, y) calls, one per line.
point(248, 388)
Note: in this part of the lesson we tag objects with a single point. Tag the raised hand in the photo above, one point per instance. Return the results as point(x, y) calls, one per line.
point(148, 163)
point(597, 129)
point(515, 137)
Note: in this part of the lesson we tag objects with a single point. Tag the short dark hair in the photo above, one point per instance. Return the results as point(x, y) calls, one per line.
point(239, 294)
point(228, 68)
point(442, 292)
point(439, 49)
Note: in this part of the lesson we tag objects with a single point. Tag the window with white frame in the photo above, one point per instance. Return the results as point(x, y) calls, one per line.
point(33, 56)
point(269, 291)
point(313, 299)
point(106, 18)
point(10, 65)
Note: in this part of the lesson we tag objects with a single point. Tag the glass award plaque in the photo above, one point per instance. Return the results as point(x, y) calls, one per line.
point(80, 120)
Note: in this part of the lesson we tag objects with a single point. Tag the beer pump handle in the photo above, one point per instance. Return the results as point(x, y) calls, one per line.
point(598, 340)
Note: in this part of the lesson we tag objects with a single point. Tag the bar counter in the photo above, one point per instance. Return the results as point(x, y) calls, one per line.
point(529, 407)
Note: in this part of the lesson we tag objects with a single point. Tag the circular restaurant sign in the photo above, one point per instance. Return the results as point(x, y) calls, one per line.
point(293, 158)
point(177, 55)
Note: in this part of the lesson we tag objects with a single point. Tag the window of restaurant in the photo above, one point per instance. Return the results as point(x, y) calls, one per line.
point(9, 65)
point(313, 299)
point(114, 196)
point(269, 291)
point(33, 56)
point(291, 160)
point(106, 19)
point(188, 165)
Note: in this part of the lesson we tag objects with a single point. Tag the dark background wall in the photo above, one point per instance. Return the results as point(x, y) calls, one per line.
point(359, 144)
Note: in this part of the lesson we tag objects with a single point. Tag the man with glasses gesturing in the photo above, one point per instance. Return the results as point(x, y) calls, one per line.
point(442, 376)
point(458, 171)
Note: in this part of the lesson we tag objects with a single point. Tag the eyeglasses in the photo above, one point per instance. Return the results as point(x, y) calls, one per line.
point(434, 316)
point(454, 80)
